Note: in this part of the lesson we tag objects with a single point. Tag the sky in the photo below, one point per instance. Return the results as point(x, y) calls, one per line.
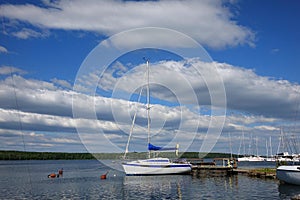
point(224, 75)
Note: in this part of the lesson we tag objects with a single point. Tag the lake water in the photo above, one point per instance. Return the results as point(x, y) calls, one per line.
point(81, 180)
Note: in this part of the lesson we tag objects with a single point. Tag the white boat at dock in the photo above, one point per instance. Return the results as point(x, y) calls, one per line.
point(271, 159)
point(153, 166)
point(289, 174)
point(251, 159)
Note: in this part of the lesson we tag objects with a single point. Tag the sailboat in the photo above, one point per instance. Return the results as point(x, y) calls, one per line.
point(154, 166)
point(286, 145)
point(250, 158)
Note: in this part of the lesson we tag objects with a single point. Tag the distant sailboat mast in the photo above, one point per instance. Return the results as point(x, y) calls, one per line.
point(244, 146)
point(271, 153)
point(267, 148)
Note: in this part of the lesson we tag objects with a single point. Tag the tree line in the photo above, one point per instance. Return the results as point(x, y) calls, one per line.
point(22, 155)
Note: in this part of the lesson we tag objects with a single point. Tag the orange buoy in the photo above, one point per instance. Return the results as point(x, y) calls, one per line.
point(52, 175)
point(103, 176)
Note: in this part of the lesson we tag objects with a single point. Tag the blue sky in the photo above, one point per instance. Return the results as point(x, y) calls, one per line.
point(276, 41)
point(49, 47)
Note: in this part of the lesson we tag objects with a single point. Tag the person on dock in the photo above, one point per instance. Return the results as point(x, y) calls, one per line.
point(229, 163)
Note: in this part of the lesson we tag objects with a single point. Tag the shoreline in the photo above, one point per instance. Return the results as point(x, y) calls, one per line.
point(24, 155)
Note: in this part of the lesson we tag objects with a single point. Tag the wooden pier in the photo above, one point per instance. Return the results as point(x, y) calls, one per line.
point(257, 173)
point(219, 167)
point(227, 167)
point(211, 171)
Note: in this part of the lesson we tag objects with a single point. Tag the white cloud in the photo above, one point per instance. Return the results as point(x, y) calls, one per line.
point(63, 83)
point(274, 51)
point(267, 128)
point(259, 104)
point(64, 140)
point(7, 70)
point(26, 33)
point(3, 49)
point(209, 22)
point(151, 36)
point(46, 121)
point(178, 81)
point(256, 94)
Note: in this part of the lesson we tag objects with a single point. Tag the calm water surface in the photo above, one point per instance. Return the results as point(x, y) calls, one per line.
point(81, 180)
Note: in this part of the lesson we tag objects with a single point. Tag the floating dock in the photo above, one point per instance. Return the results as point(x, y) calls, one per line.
point(219, 167)
point(227, 167)
point(211, 171)
point(257, 173)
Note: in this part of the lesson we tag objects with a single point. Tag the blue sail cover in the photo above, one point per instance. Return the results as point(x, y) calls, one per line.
point(151, 147)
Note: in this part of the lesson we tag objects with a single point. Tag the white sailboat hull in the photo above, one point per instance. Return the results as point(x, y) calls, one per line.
point(155, 166)
point(271, 159)
point(289, 174)
point(251, 159)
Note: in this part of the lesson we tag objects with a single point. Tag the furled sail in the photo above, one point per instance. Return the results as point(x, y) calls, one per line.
point(151, 147)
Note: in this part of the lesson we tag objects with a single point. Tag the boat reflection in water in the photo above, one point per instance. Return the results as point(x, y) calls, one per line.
point(181, 187)
point(287, 191)
point(154, 187)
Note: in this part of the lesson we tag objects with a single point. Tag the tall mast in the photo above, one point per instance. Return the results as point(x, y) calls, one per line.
point(148, 105)
point(134, 117)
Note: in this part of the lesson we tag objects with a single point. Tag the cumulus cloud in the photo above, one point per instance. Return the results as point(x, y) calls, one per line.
point(209, 22)
point(255, 104)
point(245, 90)
point(44, 122)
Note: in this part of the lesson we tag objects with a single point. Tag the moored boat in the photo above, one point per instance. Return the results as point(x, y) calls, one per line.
point(251, 159)
point(289, 174)
point(153, 166)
